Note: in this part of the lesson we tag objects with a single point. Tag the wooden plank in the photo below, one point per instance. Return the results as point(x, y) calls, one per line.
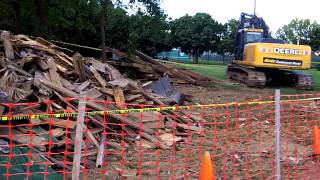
point(93, 94)
point(120, 82)
point(90, 136)
point(13, 68)
point(83, 86)
point(49, 158)
point(147, 83)
point(5, 36)
point(63, 69)
point(146, 116)
point(169, 139)
point(97, 130)
point(57, 123)
point(51, 45)
point(67, 84)
point(171, 124)
point(114, 73)
point(145, 144)
point(99, 66)
point(54, 76)
point(79, 138)
point(119, 96)
point(154, 125)
point(164, 68)
point(79, 67)
point(43, 65)
point(155, 140)
point(149, 70)
point(44, 133)
point(147, 95)
point(95, 73)
point(100, 155)
point(129, 97)
point(138, 101)
point(37, 141)
point(43, 89)
point(96, 106)
point(107, 91)
point(57, 132)
point(24, 41)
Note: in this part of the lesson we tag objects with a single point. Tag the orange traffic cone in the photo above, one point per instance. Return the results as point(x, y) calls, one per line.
point(316, 140)
point(206, 171)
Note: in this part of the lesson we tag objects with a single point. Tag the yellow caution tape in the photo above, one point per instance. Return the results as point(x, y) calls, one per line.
point(76, 45)
point(158, 109)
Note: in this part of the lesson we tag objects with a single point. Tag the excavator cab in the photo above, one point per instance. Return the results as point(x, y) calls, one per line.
point(252, 36)
point(250, 29)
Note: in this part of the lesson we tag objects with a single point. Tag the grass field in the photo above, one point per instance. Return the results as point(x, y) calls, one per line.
point(219, 72)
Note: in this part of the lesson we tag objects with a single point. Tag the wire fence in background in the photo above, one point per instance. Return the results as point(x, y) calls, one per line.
point(206, 58)
point(217, 58)
point(157, 142)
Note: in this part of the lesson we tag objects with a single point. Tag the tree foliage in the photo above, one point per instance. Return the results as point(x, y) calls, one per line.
point(227, 43)
point(315, 38)
point(301, 30)
point(149, 33)
point(77, 21)
point(152, 6)
point(149, 30)
point(196, 34)
point(298, 30)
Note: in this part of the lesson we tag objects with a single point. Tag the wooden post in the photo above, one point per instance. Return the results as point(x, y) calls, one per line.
point(104, 6)
point(277, 134)
point(100, 156)
point(79, 137)
point(5, 36)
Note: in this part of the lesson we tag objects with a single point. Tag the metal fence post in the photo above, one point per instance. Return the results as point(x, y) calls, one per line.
point(79, 137)
point(277, 135)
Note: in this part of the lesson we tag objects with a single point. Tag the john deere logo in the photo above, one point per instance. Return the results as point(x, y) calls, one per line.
point(286, 51)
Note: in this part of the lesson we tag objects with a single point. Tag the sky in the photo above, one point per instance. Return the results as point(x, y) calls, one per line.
point(276, 13)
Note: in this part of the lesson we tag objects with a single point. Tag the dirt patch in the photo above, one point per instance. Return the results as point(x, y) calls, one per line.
point(239, 138)
point(230, 93)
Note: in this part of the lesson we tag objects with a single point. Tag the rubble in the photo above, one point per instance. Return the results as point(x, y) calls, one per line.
point(151, 69)
point(35, 70)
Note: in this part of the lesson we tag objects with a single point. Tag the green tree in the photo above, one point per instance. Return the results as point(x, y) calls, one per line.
point(297, 31)
point(152, 6)
point(315, 38)
point(149, 33)
point(227, 44)
point(196, 34)
point(117, 28)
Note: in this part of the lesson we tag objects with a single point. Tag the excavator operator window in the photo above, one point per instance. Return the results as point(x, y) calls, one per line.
point(253, 36)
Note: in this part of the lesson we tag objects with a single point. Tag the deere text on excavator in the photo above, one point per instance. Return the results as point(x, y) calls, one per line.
point(261, 59)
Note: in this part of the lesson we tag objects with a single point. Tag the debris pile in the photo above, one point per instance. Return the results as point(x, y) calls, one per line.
point(35, 70)
point(151, 69)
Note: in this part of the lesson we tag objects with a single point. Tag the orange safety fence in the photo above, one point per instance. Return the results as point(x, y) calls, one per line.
point(128, 141)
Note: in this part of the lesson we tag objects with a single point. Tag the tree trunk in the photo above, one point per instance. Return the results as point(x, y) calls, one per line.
point(41, 8)
point(15, 4)
point(104, 5)
point(194, 58)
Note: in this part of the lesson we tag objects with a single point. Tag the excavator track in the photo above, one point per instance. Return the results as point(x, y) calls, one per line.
point(248, 76)
point(259, 78)
point(303, 81)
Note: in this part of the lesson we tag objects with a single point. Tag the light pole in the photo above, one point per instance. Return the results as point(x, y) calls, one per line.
point(255, 7)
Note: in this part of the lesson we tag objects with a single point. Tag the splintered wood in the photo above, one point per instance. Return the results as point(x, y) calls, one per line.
point(150, 69)
point(35, 70)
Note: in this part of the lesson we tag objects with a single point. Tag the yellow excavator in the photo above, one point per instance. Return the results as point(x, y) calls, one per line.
point(261, 59)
